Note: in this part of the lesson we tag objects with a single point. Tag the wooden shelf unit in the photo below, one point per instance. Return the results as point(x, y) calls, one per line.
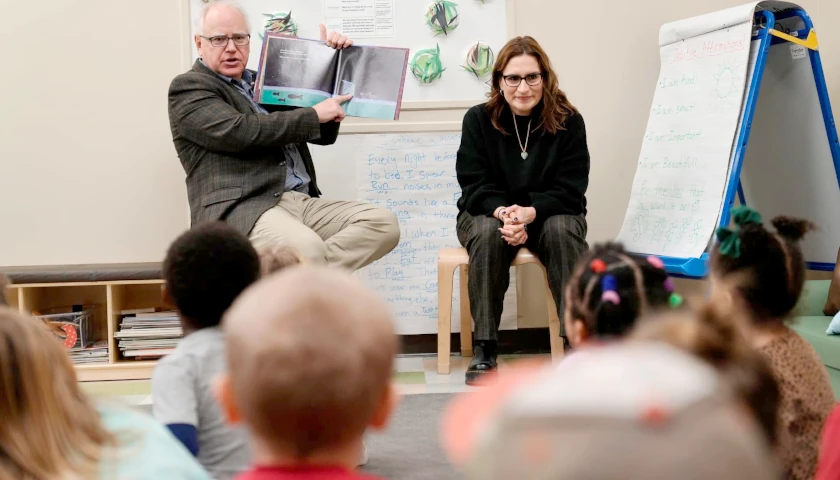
point(109, 299)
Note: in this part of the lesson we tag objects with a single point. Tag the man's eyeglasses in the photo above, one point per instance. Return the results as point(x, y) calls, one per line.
point(531, 79)
point(222, 40)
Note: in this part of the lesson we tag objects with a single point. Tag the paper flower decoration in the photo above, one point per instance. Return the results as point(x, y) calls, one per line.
point(480, 59)
point(426, 66)
point(280, 22)
point(442, 17)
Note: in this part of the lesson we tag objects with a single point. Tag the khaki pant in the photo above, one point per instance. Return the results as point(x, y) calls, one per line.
point(331, 232)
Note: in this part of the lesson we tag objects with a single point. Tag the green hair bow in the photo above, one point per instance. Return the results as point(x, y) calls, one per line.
point(730, 242)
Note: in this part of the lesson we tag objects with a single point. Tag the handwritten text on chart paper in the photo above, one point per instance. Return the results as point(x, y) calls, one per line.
point(413, 176)
point(682, 168)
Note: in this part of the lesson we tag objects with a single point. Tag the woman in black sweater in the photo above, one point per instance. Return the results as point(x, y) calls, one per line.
point(523, 167)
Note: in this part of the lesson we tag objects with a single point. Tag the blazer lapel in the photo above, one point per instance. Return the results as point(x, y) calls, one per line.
point(237, 96)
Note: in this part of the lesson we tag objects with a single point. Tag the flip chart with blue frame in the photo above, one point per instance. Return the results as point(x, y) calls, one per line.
point(747, 73)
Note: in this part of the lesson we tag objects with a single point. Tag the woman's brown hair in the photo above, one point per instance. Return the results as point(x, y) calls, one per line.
point(50, 428)
point(556, 107)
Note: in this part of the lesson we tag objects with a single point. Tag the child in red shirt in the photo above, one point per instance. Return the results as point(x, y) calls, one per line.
point(828, 466)
point(310, 353)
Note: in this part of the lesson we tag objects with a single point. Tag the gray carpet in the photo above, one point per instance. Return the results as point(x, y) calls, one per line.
point(410, 448)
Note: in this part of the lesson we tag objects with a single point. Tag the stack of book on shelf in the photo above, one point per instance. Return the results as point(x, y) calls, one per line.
point(146, 333)
point(96, 353)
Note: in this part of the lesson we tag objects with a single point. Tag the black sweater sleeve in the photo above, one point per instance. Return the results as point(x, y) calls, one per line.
point(481, 195)
point(568, 187)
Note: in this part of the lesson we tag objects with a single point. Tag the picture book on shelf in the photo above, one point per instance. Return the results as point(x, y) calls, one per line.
point(302, 73)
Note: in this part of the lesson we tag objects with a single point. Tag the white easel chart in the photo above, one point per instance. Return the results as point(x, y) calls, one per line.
point(724, 76)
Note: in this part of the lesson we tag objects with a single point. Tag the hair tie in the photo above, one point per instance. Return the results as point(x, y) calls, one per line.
point(656, 262)
point(743, 215)
point(609, 287)
point(675, 300)
point(730, 241)
point(611, 297)
point(598, 266)
point(669, 285)
point(730, 244)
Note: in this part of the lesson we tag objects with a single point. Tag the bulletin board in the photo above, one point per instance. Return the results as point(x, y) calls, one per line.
point(413, 24)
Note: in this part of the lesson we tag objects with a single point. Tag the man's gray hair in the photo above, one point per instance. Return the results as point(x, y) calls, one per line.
point(211, 4)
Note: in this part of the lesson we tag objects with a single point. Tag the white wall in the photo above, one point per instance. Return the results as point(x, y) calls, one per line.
point(89, 171)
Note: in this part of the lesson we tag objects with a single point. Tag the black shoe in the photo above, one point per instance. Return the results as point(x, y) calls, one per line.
point(483, 362)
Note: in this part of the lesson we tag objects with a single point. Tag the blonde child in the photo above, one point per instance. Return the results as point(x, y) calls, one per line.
point(310, 353)
point(711, 334)
point(50, 430)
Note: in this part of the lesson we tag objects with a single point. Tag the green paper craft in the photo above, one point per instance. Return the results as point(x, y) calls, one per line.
point(426, 65)
point(280, 22)
point(442, 17)
point(480, 60)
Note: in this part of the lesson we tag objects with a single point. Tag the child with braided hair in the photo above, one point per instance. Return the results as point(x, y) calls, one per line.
point(610, 289)
point(760, 273)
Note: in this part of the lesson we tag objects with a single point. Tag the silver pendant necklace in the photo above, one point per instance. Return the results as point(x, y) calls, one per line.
point(524, 153)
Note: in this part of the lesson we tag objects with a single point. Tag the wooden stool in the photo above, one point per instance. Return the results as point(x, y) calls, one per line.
point(448, 260)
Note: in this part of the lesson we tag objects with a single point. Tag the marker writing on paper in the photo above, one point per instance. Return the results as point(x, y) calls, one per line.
point(681, 81)
point(709, 49)
point(674, 136)
point(673, 109)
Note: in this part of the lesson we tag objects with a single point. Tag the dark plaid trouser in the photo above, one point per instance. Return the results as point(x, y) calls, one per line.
point(558, 242)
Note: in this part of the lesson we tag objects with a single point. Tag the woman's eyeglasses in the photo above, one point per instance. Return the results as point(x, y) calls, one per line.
point(531, 79)
point(239, 39)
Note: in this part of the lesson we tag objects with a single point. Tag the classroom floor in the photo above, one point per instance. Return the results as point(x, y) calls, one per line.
point(413, 375)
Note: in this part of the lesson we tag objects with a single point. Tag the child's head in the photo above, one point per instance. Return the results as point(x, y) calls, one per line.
point(50, 428)
point(764, 269)
point(626, 410)
point(310, 352)
point(712, 335)
point(610, 289)
point(205, 269)
point(277, 257)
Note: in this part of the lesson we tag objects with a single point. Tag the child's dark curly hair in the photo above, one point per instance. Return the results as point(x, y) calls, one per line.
point(206, 268)
point(610, 289)
point(767, 268)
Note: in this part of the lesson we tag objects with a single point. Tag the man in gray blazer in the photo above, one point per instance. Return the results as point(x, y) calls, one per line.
point(251, 167)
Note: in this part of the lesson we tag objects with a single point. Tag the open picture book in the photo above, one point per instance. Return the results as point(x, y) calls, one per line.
point(302, 73)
